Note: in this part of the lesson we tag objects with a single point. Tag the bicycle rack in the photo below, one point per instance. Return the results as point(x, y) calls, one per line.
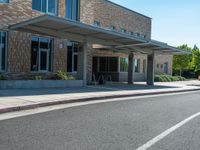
point(109, 79)
point(103, 79)
point(94, 79)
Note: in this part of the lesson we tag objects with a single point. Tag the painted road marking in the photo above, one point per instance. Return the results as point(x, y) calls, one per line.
point(167, 132)
point(39, 110)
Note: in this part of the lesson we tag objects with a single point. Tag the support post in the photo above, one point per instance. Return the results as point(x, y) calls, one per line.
point(150, 69)
point(131, 68)
point(85, 49)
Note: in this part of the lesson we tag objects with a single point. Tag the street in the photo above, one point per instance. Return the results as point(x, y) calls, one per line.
point(118, 125)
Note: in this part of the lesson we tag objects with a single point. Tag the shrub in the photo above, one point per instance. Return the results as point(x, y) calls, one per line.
point(60, 75)
point(37, 78)
point(2, 77)
point(168, 78)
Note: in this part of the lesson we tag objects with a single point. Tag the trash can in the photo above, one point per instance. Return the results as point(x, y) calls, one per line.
point(199, 77)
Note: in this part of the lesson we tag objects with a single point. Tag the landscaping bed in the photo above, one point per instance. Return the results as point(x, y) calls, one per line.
point(168, 78)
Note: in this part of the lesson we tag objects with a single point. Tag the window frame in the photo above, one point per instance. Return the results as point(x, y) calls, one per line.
point(6, 51)
point(49, 55)
point(137, 63)
point(72, 44)
point(5, 2)
point(47, 8)
point(71, 17)
point(120, 64)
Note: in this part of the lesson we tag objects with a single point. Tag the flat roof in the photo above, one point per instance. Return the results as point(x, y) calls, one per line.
point(72, 30)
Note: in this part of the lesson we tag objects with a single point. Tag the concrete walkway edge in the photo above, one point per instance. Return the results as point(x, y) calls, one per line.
point(45, 104)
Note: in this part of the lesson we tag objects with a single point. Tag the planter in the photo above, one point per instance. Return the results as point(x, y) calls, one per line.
point(38, 84)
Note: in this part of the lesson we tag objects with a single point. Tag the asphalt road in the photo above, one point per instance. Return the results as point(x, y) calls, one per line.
point(121, 125)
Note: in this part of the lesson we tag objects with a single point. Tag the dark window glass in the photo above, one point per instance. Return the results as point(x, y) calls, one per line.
point(36, 4)
point(113, 64)
point(46, 6)
point(52, 6)
point(34, 54)
point(43, 60)
point(137, 65)
point(72, 9)
point(3, 54)
point(3, 47)
point(72, 56)
point(69, 59)
point(95, 64)
point(123, 64)
point(41, 54)
point(4, 1)
point(75, 62)
point(103, 64)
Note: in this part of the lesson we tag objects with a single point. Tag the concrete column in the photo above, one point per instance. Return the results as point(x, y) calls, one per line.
point(131, 68)
point(85, 49)
point(150, 69)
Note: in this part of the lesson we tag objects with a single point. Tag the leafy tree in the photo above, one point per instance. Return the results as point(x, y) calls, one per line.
point(183, 62)
point(196, 58)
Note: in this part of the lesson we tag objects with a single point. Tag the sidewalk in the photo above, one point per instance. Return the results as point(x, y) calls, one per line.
point(14, 100)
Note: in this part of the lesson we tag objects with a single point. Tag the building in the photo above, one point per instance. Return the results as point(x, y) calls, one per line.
point(90, 39)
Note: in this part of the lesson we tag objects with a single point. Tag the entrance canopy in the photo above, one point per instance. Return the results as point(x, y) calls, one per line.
point(63, 28)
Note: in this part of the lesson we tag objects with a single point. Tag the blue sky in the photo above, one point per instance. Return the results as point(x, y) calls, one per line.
point(175, 22)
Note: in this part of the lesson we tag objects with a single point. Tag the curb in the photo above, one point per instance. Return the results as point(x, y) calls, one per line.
point(45, 104)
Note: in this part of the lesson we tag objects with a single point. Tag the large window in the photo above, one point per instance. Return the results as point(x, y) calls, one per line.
point(41, 54)
point(73, 9)
point(3, 51)
point(123, 64)
point(4, 1)
point(46, 6)
point(72, 56)
point(108, 64)
point(137, 65)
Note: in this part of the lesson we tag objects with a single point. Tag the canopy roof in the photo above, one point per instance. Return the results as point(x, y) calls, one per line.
point(64, 28)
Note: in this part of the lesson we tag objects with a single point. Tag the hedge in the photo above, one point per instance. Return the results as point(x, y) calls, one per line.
point(168, 78)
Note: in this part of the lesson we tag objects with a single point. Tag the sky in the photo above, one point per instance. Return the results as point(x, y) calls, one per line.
point(175, 22)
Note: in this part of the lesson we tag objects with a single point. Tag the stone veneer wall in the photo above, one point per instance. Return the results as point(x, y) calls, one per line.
point(160, 60)
point(19, 47)
point(19, 43)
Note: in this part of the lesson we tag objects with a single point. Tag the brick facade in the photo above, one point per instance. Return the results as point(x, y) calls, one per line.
point(19, 44)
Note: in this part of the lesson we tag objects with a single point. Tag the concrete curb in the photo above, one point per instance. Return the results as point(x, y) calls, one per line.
point(33, 106)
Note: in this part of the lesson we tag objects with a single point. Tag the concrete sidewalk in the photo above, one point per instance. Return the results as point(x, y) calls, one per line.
point(15, 100)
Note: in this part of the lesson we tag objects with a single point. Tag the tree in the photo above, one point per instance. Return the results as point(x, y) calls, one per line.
point(196, 58)
point(183, 62)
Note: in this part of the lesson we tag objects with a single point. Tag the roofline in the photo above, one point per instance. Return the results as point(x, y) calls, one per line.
point(127, 9)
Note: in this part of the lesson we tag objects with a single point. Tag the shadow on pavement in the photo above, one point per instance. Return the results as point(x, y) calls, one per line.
point(79, 90)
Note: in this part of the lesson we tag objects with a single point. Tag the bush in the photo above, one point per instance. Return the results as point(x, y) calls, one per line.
point(168, 78)
point(60, 75)
point(37, 78)
point(2, 77)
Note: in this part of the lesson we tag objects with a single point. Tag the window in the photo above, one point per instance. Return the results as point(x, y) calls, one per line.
point(144, 65)
point(158, 65)
point(72, 56)
point(131, 33)
point(123, 64)
point(4, 1)
point(137, 65)
point(113, 28)
point(46, 6)
point(72, 9)
point(108, 64)
point(41, 49)
point(123, 30)
point(97, 23)
point(165, 66)
point(3, 47)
